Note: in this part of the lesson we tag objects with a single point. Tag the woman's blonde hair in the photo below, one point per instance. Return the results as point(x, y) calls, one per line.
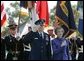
point(58, 28)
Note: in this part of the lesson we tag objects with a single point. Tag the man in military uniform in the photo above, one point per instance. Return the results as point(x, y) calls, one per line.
point(40, 43)
point(2, 49)
point(11, 42)
point(76, 48)
point(80, 48)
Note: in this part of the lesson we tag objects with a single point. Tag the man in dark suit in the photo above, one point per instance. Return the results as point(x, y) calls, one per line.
point(40, 43)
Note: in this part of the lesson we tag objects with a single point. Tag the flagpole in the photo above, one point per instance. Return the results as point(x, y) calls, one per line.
point(30, 13)
point(19, 21)
point(29, 9)
point(18, 33)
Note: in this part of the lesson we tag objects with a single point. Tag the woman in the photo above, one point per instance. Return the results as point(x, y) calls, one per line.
point(60, 46)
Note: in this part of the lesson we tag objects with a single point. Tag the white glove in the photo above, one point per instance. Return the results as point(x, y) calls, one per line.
point(18, 36)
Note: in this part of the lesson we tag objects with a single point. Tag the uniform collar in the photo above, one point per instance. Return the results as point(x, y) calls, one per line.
point(60, 38)
point(12, 35)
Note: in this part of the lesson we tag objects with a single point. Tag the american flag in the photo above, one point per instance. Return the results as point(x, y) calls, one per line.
point(3, 14)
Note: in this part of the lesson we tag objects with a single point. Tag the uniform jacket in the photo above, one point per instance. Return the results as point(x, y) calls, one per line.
point(40, 48)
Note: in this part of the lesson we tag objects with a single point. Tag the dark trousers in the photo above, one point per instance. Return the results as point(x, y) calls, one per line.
point(73, 56)
point(80, 57)
point(9, 56)
point(20, 56)
point(26, 55)
point(2, 55)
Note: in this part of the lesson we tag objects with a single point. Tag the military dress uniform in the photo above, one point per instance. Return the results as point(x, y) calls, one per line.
point(40, 45)
point(12, 44)
point(40, 48)
point(14, 48)
point(2, 49)
point(80, 47)
point(73, 49)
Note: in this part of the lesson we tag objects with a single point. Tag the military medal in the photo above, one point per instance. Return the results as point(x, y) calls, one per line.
point(47, 39)
point(10, 40)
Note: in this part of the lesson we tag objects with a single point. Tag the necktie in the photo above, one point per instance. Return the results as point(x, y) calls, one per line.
point(41, 35)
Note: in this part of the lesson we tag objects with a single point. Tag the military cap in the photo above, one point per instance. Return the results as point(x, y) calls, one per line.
point(40, 22)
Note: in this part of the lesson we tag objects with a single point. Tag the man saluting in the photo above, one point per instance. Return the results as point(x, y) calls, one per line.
point(40, 43)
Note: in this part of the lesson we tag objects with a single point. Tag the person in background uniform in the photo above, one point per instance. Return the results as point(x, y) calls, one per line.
point(2, 49)
point(52, 36)
point(80, 48)
point(73, 48)
point(40, 43)
point(12, 43)
point(77, 46)
point(50, 32)
point(27, 47)
point(60, 45)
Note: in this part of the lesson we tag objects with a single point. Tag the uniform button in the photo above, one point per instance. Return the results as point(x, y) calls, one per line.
point(46, 43)
point(41, 46)
point(41, 50)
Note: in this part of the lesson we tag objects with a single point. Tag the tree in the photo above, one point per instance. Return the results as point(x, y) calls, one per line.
point(17, 13)
point(76, 14)
point(52, 16)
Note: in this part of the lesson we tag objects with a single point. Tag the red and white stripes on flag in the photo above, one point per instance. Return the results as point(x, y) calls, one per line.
point(3, 14)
